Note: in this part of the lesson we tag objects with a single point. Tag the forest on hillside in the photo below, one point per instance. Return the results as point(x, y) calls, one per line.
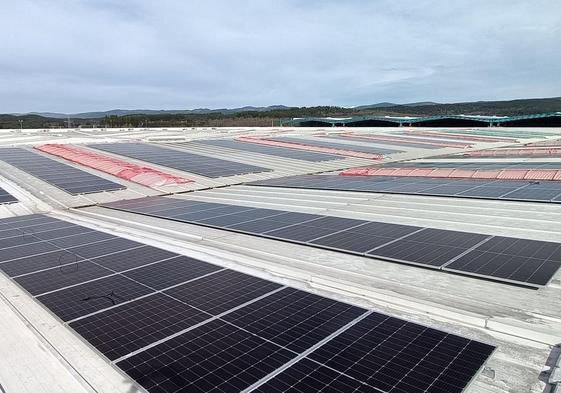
point(257, 118)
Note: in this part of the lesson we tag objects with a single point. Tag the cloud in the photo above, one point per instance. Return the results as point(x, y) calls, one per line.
point(82, 55)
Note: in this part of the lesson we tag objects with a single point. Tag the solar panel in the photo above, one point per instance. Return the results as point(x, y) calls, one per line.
point(124, 329)
point(294, 319)
point(403, 142)
point(48, 231)
point(438, 162)
point(271, 150)
point(215, 329)
point(222, 291)
point(6, 197)
point(26, 250)
point(63, 276)
point(78, 301)
point(38, 262)
point(333, 144)
point(399, 356)
point(542, 191)
point(531, 193)
point(427, 247)
point(69, 179)
point(131, 258)
point(517, 260)
point(104, 247)
point(365, 237)
point(171, 272)
point(309, 376)
point(215, 357)
point(181, 160)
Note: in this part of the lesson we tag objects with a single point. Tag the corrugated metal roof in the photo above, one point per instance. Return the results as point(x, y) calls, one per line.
point(524, 324)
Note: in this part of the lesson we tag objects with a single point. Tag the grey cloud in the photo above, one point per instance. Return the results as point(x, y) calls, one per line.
point(81, 55)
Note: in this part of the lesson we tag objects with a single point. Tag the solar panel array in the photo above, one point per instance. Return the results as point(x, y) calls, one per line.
point(271, 150)
point(477, 164)
point(404, 143)
point(181, 160)
point(358, 146)
point(528, 263)
point(67, 178)
point(6, 197)
point(174, 323)
point(513, 190)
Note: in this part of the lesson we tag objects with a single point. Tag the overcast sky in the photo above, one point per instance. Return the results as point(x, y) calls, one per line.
point(86, 55)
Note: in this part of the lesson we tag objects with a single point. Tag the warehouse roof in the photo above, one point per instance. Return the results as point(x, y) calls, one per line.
point(523, 324)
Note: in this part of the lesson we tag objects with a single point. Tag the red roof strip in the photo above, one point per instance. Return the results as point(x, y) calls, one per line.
point(319, 149)
point(540, 174)
point(513, 174)
point(135, 173)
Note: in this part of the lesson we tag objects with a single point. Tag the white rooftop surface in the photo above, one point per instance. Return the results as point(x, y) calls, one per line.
point(38, 353)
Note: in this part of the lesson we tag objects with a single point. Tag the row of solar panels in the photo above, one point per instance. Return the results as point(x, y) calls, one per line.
point(534, 191)
point(76, 181)
point(335, 143)
point(523, 262)
point(478, 164)
point(174, 323)
point(404, 142)
point(65, 177)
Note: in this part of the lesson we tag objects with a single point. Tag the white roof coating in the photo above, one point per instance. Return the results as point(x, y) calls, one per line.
point(39, 353)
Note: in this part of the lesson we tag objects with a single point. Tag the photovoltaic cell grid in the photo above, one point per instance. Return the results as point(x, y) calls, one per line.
point(6, 197)
point(428, 247)
point(271, 150)
point(174, 323)
point(333, 144)
point(69, 179)
point(181, 160)
point(513, 190)
point(403, 143)
point(477, 164)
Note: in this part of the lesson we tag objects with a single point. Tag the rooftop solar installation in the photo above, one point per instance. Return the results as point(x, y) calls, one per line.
point(478, 164)
point(426, 247)
point(358, 146)
point(69, 179)
point(404, 143)
point(175, 323)
point(181, 160)
point(271, 150)
point(6, 197)
point(513, 190)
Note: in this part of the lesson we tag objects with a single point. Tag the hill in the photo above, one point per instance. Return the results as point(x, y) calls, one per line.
point(250, 116)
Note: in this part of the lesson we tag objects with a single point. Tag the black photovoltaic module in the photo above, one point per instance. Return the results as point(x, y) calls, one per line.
point(403, 143)
point(6, 197)
point(175, 323)
point(357, 146)
point(182, 160)
point(514, 190)
point(69, 179)
point(279, 151)
point(533, 264)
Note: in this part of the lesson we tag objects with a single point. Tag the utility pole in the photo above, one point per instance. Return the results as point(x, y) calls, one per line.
point(68, 122)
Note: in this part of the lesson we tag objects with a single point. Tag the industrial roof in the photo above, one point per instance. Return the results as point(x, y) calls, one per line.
point(39, 352)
